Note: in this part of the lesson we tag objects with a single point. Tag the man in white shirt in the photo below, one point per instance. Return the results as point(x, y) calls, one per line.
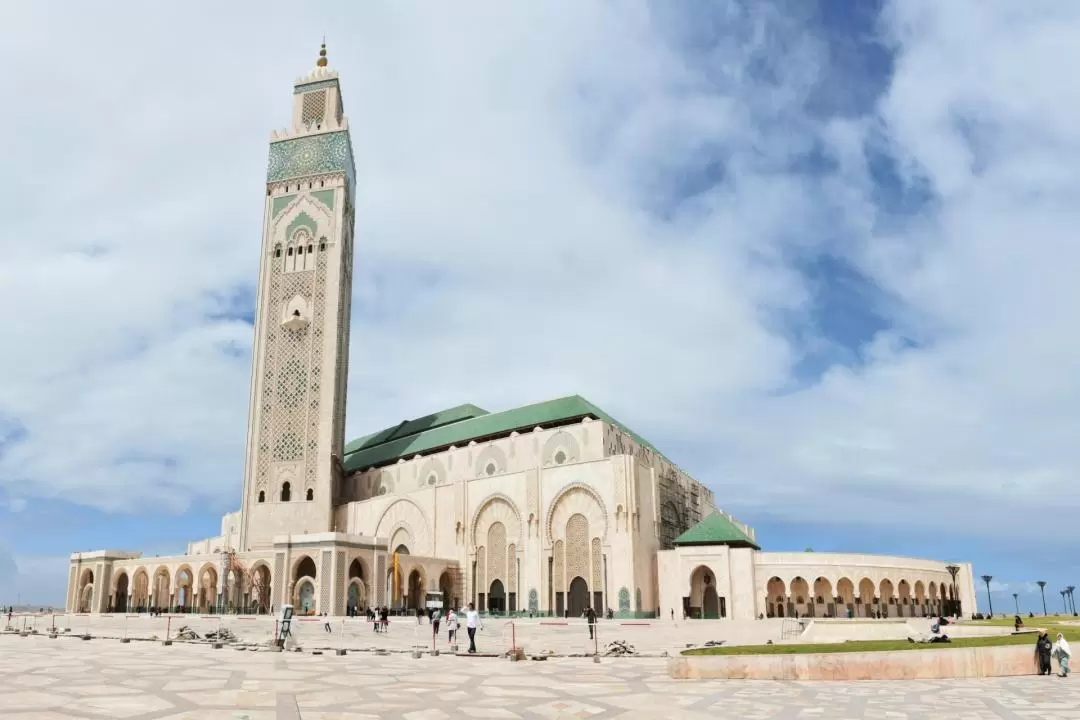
point(472, 622)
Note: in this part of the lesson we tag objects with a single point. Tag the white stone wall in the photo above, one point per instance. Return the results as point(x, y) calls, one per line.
point(445, 504)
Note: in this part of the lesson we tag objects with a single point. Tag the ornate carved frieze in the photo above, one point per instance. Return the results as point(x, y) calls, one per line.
point(311, 155)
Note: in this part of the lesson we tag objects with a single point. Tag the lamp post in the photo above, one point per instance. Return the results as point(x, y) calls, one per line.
point(1016, 599)
point(989, 601)
point(1072, 598)
point(953, 569)
point(1064, 605)
point(1042, 591)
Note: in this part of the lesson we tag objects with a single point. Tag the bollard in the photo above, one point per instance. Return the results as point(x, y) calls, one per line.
point(339, 652)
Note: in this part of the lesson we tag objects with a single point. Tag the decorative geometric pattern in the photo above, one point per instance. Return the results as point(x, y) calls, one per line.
point(339, 580)
point(279, 573)
point(313, 107)
point(105, 679)
point(558, 567)
point(380, 577)
point(511, 570)
point(325, 580)
point(637, 599)
point(481, 570)
point(597, 564)
point(577, 547)
point(624, 599)
point(534, 600)
point(311, 155)
point(497, 553)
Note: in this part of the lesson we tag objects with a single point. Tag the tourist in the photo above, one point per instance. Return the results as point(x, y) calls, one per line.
point(1017, 624)
point(451, 626)
point(435, 618)
point(590, 618)
point(1063, 653)
point(385, 617)
point(472, 623)
point(1043, 650)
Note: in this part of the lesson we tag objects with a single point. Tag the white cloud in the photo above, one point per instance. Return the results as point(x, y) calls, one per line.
point(514, 244)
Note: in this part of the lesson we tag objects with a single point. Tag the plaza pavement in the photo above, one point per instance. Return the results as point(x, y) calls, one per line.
point(65, 678)
point(538, 635)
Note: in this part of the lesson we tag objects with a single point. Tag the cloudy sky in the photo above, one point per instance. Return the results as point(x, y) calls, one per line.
point(818, 252)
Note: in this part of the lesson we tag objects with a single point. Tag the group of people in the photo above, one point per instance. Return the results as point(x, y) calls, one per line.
point(380, 619)
point(1046, 650)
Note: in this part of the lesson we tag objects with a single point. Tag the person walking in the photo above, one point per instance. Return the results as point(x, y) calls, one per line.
point(590, 618)
point(451, 626)
point(1043, 650)
point(472, 624)
point(1063, 653)
point(436, 618)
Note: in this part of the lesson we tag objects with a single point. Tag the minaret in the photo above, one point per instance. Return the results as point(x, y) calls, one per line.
point(296, 415)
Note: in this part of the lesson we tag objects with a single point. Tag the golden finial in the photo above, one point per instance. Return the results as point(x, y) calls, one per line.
point(322, 55)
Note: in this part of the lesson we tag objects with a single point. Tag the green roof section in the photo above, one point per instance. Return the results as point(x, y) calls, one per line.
point(459, 425)
point(411, 427)
point(716, 529)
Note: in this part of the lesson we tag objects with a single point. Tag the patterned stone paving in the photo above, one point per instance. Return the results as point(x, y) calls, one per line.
point(67, 678)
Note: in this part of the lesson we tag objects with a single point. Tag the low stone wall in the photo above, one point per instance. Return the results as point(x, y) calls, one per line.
point(920, 664)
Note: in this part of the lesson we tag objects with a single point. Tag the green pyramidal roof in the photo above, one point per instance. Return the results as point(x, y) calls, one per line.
point(459, 425)
point(716, 530)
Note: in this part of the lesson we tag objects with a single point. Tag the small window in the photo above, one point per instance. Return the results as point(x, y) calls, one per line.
point(289, 253)
point(310, 494)
point(300, 250)
point(322, 247)
point(277, 251)
point(262, 496)
point(310, 248)
point(490, 469)
point(286, 492)
point(432, 479)
point(560, 457)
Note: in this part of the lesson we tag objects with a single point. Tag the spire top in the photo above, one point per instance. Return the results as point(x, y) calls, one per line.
point(322, 54)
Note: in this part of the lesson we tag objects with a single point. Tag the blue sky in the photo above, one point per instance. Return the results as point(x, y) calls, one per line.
point(820, 253)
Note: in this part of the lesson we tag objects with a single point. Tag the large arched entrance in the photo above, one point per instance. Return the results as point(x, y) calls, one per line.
point(86, 591)
point(121, 595)
point(304, 592)
point(208, 591)
point(704, 601)
point(497, 597)
point(579, 596)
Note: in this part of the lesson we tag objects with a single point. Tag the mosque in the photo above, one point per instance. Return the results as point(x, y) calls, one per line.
point(547, 508)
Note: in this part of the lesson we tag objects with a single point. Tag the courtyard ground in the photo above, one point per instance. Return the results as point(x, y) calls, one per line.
point(64, 678)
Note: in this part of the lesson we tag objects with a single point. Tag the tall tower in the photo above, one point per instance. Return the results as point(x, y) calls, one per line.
point(296, 415)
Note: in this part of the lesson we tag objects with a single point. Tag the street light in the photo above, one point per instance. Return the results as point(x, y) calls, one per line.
point(1042, 585)
point(953, 569)
point(986, 579)
point(1016, 599)
point(1064, 605)
point(1072, 598)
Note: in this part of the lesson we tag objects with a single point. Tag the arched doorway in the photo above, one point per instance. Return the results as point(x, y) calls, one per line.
point(497, 597)
point(703, 601)
point(121, 595)
point(140, 596)
point(305, 597)
point(357, 596)
point(208, 590)
point(416, 590)
point(184, 581)
point(260, 588)
point(86, 591)
point(304, 576)
point(446, 587)
point(579, 596)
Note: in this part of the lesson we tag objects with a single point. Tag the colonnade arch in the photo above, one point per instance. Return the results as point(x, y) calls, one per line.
point(856, 595)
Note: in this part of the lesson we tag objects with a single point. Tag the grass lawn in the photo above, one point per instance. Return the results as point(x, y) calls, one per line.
point(1045, 621)
point(1071, 634)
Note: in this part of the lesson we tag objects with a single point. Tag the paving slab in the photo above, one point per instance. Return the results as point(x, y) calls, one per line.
point(65, 679)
